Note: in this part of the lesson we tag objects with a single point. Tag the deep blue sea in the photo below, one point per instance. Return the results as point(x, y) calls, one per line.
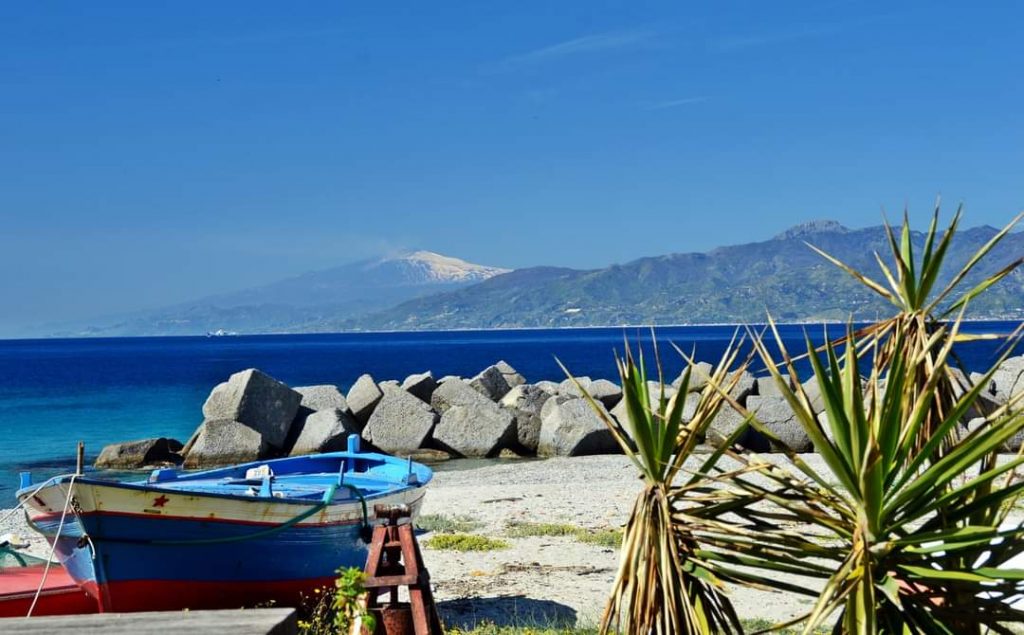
point(56, 392)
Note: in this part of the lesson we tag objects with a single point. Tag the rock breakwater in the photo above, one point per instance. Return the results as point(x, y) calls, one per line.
point(252, 416)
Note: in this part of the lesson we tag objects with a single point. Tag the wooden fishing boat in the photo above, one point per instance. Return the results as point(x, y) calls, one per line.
point(256, 533)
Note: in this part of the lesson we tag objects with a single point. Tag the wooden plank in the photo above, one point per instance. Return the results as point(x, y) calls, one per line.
point(383, 581)
point(275, 621)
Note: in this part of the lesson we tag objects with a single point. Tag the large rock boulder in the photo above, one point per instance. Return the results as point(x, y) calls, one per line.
point(526, 402)
point(813, 391)
point(457, 392)
point(984, 404)
point(495, 381)
point(1008, 380)
point(363, 397)
point(572, 428)
point(322, 397)
point(474, 431)
point(421, 385)
point(607, 392)
point(1012, 444)
point(746, 386)
point(654, 389)
point(132, 455)
point(621, 413)
point(225, 442)
point(726, 422)
point(775, 413)
point(547, 386)
point(767, 386)
point(571, 387)
point(324, 431)
point(698, 377)
point(400, 424)
point(257, 400)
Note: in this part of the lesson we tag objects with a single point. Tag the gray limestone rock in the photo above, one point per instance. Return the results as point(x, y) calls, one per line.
point(225, 442)
point(1009, 380)
point(726, 422)
point(654, 389)
point(569, 388)
point(775, 413)
point(132, 455)
point(475, 431)
point(325, 431)
point(746, 386)
point(322, 397)
point(400, 423)
point(621, 413)
point(495, 381)
point(608, 393)
point(1011, 445)
point(549, 387)
point(526, 403)
point(257, 400)
point(572, 428)
point(421, 385)
point(698, 377)
point(813, 391)
point(363, 397)
point(456, 392)
point(767, 386)
point(512, 377)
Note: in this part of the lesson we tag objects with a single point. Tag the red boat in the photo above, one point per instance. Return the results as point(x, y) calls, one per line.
point(20, 575)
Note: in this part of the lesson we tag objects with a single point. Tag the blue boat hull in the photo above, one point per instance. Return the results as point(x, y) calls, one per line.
point(145, 546)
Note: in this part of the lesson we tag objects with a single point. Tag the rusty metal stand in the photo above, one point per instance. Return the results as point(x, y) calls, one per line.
point(395, 561)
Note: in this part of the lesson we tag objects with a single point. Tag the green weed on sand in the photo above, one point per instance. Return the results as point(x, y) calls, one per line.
point(601, 537)
point(464, 542)
point(441, 523)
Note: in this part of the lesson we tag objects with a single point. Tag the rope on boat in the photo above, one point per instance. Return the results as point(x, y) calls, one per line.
point(327, 499)
point(21, 503)
point(53, 546)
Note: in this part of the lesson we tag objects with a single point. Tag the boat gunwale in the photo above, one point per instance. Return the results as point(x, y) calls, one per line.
point(397, 486)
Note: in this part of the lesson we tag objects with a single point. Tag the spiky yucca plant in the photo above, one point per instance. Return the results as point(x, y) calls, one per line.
point(662, 586)
point(920, 310)
point(915, 537)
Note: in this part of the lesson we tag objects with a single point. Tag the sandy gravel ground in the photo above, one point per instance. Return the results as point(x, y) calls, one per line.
point(537, 579)
point(542, 579)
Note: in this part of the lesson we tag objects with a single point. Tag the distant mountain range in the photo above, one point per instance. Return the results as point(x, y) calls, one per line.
point(738, 283)
point(345, 292)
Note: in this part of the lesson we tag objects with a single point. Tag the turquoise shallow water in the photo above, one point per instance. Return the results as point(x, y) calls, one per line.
point(54, 393)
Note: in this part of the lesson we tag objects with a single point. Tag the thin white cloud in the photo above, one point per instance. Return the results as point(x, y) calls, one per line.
point(581, 45)
point(675, 103)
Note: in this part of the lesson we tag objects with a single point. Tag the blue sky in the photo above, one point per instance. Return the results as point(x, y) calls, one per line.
point(155, 152)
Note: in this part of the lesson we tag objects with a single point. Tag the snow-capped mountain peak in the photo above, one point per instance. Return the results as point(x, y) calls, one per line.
point(431, 267)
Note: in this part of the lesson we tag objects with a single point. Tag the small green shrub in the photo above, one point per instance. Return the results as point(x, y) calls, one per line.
point(611, 538)
point(527, 529)
point(332, 611)
point(464, 542)
point(600, 537)
point(440, 523)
